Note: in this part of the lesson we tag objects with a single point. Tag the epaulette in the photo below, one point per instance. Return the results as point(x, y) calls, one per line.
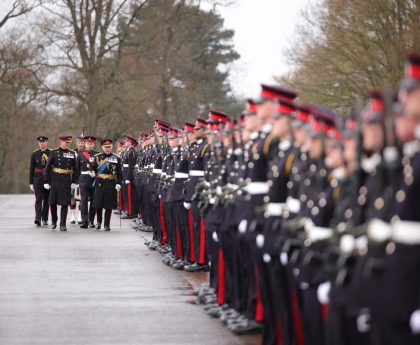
point(117, 155)
point(35, 150)
point(98, 154)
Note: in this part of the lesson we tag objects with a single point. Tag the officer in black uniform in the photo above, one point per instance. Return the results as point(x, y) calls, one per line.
point(60, 175)
point(86, 176)
point(108, 179)
point(39, 159)
point(130, 192)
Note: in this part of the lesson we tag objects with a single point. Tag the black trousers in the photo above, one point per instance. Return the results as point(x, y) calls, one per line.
point(86, 204)
point(107, 219)
point(63, 214)
point(41, 203)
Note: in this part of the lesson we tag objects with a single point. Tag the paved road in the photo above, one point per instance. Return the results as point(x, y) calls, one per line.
point(90, 287)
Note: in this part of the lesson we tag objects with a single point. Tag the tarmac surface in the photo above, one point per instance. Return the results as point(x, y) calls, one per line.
point(86, 286)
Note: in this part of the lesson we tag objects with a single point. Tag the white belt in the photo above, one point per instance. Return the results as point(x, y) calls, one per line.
point(85, 172)
point(378, 230)
point(406, 232)
point(136, 166)
point(318, 233)
point(196, 173)
point(274, 209)
point(293, 205)
point(255, 188)
point(125, 165)
point(157, 171)
point(181, 175)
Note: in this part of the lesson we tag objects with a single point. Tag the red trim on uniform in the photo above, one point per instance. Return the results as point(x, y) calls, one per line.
point(162, 222)
point(39, 170)
point(324, 311)
point(35, 202)
point(202, 242)
point(129, 199)
point(221, 278)
point(279, 333)
point(191, 231)
point(178, 244)
point(296, 317)
point(259, 309)
point(120, 201)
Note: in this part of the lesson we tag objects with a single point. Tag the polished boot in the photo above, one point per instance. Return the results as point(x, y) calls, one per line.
point(84, 225)
point(37, 222)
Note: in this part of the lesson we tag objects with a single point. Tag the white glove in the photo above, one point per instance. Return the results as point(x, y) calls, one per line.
point(46, 186)
point(363, 322)
point(118, 187)
point(415, 322)
point(187, 205)
point(31, 186)
point(73, 186)
point(323, 292)
point(127, 182)
point(92, 174)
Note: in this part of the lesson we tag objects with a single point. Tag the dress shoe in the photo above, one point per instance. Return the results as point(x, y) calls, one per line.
point(107, 228)
point(98, 226)
point(196, 268)
point(73, 222)
point(84, 225)
point(246, 327)
point(53, 225)
point(178, 265)
point(37, 222)
point(117, 212)
point(63, 228)
point(91, 225)
point(45, 222)
point(214, 312)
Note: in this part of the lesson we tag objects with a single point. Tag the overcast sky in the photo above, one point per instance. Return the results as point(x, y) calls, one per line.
point(263, 29)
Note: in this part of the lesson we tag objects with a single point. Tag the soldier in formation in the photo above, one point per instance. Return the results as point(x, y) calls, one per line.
point(306, 220)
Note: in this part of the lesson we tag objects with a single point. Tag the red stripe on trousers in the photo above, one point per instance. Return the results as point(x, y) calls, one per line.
point(129, 199)
point(35, 201)
point(178, 244)
point(259, 309)
point(120, 203)
point(221, 278)
point(162, 222)
point(296, 317)
point(279, 333)
point(191, 231)
point(202, 242)
point(324, 311)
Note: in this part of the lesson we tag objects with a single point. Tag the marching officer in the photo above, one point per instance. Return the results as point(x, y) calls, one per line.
point(107, 168)
point(60, 175)
point(39, 160)
point(86, 176)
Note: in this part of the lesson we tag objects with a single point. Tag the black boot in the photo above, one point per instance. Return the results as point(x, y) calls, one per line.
point(91, 225)
point(37, 222)
point(84, 225)
point(107, 228)
point(98, 226)
point(63, 227)
point(53, 216)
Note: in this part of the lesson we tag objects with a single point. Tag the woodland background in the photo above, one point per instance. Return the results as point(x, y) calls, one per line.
point(112, 66)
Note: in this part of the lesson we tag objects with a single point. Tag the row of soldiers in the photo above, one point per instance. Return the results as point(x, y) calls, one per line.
point(307, 221)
